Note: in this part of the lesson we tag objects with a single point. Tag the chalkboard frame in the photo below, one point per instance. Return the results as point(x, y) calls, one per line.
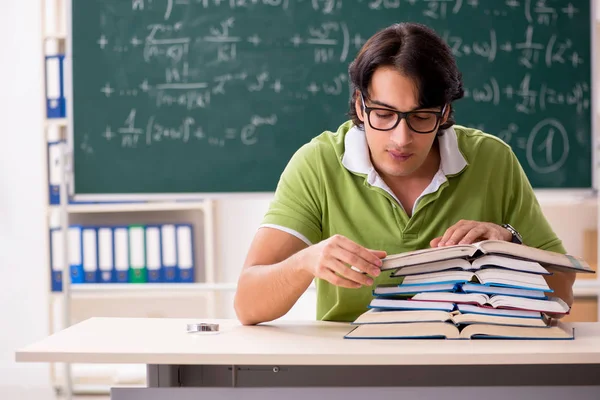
point(568, 194)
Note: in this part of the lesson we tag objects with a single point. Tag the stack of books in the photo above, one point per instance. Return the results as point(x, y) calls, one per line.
point(490, 289)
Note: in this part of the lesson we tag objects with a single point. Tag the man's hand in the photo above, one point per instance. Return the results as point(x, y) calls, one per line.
point(331, 260)
point(467, 232)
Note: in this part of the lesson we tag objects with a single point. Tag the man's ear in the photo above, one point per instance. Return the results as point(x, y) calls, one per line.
point(446, 115)
point(358, 106)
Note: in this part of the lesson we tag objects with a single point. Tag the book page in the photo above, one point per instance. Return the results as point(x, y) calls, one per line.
point(546, 306)
point(438, 277)
point(513, 332)
point(436, 266)
point(549, 259)
point(465, 298)
point(510, 263)
point(378, 316)
point(405, 331)
point(467, 319)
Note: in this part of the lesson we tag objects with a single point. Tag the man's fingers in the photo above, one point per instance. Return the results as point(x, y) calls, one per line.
point(474, 234)
point(435, 242)
point(360, 252)
point(337, 280)
point(378, 253)
point(350, 274)
point(344, 256)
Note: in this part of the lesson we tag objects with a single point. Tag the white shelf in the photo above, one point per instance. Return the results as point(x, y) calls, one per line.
point(55, 36)
point(586, 288)
point(61, 122)
point(135, 207)
point(153, 290)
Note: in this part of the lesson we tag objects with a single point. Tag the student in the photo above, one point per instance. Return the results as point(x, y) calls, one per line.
point(399, 176)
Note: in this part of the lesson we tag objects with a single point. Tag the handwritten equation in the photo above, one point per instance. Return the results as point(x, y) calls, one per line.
point(258, 67)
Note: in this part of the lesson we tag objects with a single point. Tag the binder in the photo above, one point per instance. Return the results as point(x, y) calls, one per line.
point(169, 253)
point(137, 254)
point(90, 255)
point(121, 253)
point(55, 87)
point(185, 253)
point(76, 254)
point(57, 261)
point(54, 171)
point(106, 270)
point(153, 254)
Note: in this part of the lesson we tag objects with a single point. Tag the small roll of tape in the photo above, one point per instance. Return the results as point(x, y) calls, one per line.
point(202, 327)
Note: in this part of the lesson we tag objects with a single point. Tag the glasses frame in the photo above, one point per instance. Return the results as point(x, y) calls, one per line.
point(402, 115)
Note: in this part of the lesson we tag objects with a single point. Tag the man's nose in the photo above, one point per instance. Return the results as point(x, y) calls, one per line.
point(401, 134)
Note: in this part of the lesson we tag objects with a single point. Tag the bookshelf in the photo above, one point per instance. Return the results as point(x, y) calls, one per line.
point(76, 302)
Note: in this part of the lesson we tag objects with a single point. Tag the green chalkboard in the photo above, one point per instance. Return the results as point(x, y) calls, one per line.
point(209, 96)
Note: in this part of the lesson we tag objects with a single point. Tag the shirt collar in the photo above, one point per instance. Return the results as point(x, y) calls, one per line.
point(357, 158)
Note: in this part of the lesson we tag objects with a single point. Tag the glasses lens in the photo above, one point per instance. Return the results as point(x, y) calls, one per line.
point(422, 121)
point(382, 119)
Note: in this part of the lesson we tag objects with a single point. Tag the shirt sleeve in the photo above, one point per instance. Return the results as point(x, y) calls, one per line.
point(296, 206)
point(523, 211)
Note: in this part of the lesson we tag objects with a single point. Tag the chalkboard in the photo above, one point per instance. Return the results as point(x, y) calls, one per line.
point(213, 96)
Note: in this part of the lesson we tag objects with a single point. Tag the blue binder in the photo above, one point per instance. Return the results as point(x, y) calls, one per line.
point(185, 252)
point(54, 171)
point(90, 254)
point(76, 254)
point(153, 253)
point(121, 253)
point(55, 88)
point(57, 262)
point(169, 253)
point(106, 259)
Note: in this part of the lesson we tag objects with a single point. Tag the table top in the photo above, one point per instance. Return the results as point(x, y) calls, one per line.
point(166, 341)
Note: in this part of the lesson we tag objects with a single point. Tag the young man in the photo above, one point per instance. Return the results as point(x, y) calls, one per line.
point(399, 176)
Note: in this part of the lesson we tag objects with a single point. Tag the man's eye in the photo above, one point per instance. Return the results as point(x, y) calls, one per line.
point(384, 115)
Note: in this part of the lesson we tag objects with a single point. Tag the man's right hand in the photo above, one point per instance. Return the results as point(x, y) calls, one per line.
point(331, 260)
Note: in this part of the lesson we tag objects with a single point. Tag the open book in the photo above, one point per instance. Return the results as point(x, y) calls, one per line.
point(447, 330)
point(378, 316)
point(487, 261)
point(553, 305)
point(548, 259)
point(451, 301)
point(409, 290)
point(491, 277)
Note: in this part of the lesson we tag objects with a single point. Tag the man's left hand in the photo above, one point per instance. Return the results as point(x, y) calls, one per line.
point(467, 232)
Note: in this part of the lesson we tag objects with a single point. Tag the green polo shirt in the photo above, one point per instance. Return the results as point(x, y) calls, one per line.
point(330, 187)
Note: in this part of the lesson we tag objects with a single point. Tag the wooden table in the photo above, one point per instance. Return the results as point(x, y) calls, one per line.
point(304, 359)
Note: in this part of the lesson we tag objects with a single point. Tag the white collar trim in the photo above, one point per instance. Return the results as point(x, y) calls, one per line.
point(357, 159)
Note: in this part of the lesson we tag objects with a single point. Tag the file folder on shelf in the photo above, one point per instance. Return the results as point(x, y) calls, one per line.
point(57, 261)
point(137, 254)
point(106, 270)
point(76, 254)
point(169, 253)
point(90, 255)
point(55, 88)
point(121, 253)
point(185, 252)
point(153, 254)
point(54, 171)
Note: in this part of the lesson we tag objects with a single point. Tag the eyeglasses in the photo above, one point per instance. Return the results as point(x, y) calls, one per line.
point(384, 119)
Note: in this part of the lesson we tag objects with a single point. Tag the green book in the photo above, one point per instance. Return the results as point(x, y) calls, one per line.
point(137, 254)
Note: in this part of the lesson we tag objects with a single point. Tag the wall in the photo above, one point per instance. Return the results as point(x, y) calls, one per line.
point(23, 298)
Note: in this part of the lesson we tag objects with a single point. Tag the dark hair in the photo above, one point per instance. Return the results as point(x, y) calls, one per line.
point(419, 53)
